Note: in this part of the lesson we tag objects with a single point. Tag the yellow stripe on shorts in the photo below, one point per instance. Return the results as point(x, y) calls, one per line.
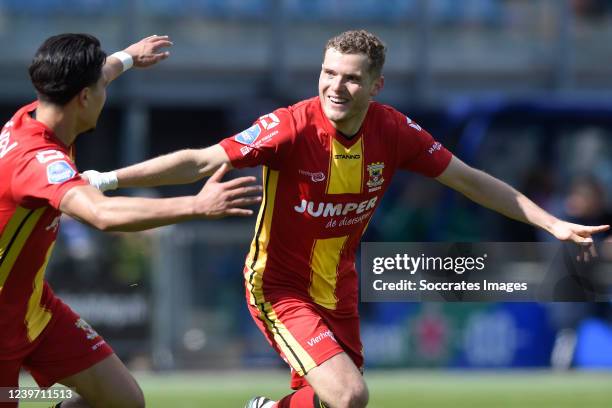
point(295, 354)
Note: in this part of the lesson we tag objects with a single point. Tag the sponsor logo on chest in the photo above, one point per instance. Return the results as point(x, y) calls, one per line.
point(323, 209)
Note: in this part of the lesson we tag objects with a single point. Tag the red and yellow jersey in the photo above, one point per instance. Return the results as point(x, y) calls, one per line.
point(36, 170)
point(320, 191)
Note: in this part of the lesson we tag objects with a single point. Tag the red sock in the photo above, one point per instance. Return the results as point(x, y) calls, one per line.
point(302, 398)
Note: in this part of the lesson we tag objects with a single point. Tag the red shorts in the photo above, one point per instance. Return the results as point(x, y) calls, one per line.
point(67, 346)
point(305, 334)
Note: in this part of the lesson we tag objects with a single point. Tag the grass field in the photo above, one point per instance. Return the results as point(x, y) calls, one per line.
point(392, 389)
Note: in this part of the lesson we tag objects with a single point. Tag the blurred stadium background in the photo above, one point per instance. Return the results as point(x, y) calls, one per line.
point(520, 88)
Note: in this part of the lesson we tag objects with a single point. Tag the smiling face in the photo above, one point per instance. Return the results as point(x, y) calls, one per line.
point(346, 86)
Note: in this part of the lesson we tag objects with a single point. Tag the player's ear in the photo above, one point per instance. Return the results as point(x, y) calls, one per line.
point(83, 96)
point(377, 86)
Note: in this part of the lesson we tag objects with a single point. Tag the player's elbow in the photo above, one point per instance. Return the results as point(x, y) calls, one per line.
point(194, 162)
point(103, 219)
point(101, 222)
point(208, 160)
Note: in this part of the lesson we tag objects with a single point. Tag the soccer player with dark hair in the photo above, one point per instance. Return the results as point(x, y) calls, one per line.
point(39, 182)
point(327, 162)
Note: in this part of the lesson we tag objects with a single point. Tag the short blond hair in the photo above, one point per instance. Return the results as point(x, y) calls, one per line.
point(360, 42)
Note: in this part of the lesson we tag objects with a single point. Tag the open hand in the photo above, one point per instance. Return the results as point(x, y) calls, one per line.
point(579, 234)
point(219, 199)
point(146, 52)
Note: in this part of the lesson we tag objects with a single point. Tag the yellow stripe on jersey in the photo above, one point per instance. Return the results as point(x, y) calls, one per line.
point(37, 317)
point(8, 235)
point(295, 354)
point(258, 255)
point(345, 168)
point(324, 260)
point(14, 236)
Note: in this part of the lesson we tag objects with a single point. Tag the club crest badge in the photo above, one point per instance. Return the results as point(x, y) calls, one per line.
point(375, 176)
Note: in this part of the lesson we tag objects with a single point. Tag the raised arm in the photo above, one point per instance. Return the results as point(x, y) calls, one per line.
point(216, 199)
point(493, 193)
point(143, 53)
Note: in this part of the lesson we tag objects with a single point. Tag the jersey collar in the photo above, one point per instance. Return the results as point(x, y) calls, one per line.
point(339, 136)
point(28, 121)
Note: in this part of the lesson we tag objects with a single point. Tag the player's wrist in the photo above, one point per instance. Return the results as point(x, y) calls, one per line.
point(127, 61)
point(102, 181)
point(551, 224)
point(195, 208)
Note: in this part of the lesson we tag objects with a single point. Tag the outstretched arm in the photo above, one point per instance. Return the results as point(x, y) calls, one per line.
point(216, 199)
point(144, 53)
point(180, 167)
point(493, 193)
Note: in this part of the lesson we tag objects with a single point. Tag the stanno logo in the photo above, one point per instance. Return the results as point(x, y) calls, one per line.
point(347, 156)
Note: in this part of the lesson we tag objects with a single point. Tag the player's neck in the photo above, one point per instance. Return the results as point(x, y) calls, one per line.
point(59, 120)
point(349, 128)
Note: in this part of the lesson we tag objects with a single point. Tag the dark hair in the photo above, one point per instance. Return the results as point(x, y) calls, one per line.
point(64, 65)
point(361, 42)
